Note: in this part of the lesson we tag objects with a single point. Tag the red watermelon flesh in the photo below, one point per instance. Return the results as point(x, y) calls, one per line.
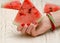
point(13, 5)
point(27, 14)
point(51, 8)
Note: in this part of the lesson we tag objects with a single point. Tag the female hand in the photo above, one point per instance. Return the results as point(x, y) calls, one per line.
point(42, 27)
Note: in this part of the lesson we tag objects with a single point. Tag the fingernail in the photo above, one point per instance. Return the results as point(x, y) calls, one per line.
point(23, 24)
point(28, 24)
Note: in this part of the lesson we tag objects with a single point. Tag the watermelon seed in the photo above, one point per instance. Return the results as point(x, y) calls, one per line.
point(29, 10)
point(21, 14)
point(22, 24)
point(50, 9)
point(22, 8)
point(11, 5)
point(33, 7)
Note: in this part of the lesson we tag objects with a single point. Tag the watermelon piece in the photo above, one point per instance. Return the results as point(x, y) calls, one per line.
point(13, 5)
point(52, 21)
point(51, 8)
point(27, 14)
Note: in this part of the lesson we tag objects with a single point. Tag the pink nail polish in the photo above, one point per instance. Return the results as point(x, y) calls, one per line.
point(28, 24)
point(23, 24)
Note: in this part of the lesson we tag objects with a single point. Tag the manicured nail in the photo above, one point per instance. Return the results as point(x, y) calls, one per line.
point(23, 24)
point(28, 24)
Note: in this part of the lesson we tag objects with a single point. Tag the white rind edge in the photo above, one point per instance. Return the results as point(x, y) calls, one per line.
point(40, 19)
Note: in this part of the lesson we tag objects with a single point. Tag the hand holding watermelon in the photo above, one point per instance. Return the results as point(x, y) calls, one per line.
point(42, 27)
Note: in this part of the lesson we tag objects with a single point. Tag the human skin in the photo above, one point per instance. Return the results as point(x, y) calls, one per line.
point(42, 27)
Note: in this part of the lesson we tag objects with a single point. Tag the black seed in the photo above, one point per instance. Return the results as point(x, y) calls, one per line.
point(33, 7)
point(29, 11)
point(50, 9)
point(20, 14)
point(11, 5)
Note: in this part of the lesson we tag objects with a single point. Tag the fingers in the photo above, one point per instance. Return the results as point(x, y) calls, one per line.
point(24, 29)
point(19, 28)
point(28, 31)
point(33, 31)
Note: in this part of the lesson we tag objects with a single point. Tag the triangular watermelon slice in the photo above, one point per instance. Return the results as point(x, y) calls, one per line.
point(27, 14)
point(13, 5)
point(51, 8)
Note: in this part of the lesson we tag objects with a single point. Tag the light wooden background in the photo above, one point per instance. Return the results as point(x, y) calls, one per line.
point(9, 34)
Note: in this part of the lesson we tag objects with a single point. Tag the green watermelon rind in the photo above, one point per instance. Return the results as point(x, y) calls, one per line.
point(51, 18)
point(40, 19)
